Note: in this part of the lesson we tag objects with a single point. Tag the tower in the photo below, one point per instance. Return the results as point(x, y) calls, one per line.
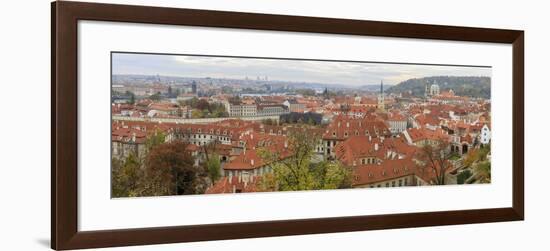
point(381, 104)
point(194, 87)
point(426, 93)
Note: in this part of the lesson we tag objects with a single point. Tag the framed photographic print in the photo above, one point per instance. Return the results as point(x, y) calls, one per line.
point(177, 125)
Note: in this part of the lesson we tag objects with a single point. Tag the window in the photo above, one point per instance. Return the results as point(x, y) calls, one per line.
point(387, 184)
point(393, 183)
point(400, 183)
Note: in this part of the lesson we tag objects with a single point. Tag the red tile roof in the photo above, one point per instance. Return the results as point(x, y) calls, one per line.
point(343, 127)
point(234, 184)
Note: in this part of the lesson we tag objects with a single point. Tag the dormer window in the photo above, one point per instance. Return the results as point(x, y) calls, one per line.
point(345, 134)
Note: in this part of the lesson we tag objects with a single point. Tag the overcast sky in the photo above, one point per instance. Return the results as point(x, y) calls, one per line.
point(288, 70)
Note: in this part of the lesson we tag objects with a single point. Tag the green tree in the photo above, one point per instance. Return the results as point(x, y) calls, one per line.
point(483, 171)
point(155, 139)
point(155, 97)
point(213, 166)
point(125, 176)
point(297, 172)
point(463, 176)
point(132, 97)
point(197, 114)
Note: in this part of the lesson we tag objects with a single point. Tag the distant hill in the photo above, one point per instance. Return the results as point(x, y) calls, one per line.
point(479, 87)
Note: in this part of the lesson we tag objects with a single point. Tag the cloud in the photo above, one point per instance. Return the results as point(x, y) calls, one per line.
point(349, 73)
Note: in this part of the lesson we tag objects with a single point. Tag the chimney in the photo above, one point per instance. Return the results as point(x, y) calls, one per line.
point(347, 124)
point(134, 137)
point(286, 144)
point(376, 146)
point(338, 123)
point(370, 138)
point(252, 162)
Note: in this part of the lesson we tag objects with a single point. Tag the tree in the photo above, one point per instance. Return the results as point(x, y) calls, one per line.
point(483, 171)
point(268, 122)
point(463, 176)
point(125, 177)
point(332, 175)
point(202, 104)
point(155, 139)
point(471, 157)
point(155, 97)
point(170, 170)
point(436, 158)
point(132, 97)
point(297, 173)
point(197, 114)
point(213, 166)
point(234, 100)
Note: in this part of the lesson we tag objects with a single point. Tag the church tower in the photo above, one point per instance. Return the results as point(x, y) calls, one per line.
point(426, 92)
point(381, 104)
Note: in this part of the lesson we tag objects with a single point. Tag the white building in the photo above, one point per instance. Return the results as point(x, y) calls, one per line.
point(434, 90)
point(485, 135)
point(271, 110)
point(241, 110)
point(397, 126)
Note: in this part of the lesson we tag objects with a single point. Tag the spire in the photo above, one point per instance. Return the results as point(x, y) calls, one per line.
point(381, 105)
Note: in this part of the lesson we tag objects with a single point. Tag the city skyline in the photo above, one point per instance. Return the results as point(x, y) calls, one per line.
point(326, 72)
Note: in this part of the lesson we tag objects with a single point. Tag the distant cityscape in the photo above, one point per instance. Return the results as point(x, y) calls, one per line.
point(176, 135)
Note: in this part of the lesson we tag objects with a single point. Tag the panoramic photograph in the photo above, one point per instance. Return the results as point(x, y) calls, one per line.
point(205, 124)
